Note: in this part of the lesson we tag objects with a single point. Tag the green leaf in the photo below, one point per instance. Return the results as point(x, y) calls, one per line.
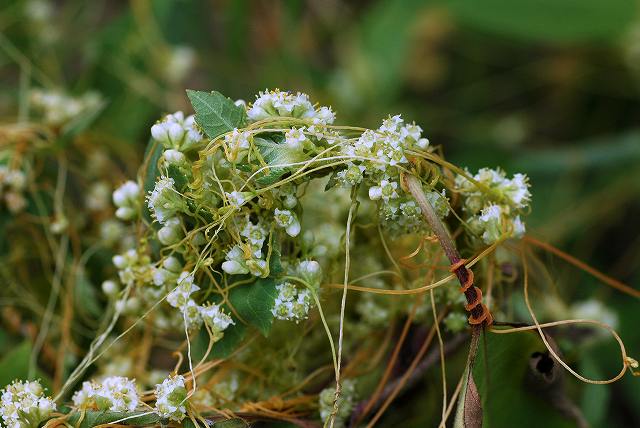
point(215, 113)
point(275, 154)
point(595, 399)
point(15, 365)
point(275, 265)
point(93, 418)
point(179, 177)
point(548, 20)
point(254, 302)
point(507, 383)
point(229, 342)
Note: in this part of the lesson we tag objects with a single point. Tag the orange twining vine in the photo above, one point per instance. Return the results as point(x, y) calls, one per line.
point(480, 314)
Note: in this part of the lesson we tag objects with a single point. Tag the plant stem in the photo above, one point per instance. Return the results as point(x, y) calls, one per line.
point(413, 185)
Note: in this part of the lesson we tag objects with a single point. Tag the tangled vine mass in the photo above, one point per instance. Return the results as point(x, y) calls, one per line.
point(263, 251)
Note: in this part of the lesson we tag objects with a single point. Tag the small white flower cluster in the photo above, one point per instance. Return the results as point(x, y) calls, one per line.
point(247, 257)
point(237, 145)
point(494, 207)
point(287, 220)
point(127, 199)
point(194, 314)
point(177, 132)
point(171, 398)
point(12, 186)
point(97, 198)
point(131, 265)
point(376, 158)
point(165, 202)
point(114, 393)
point(310, 271)
point(292, 303)
point(59, 108)
point(278, 103)
point(24, 405)
point(346, 402)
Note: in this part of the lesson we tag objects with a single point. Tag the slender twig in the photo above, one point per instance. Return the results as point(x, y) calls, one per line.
point(414, 187)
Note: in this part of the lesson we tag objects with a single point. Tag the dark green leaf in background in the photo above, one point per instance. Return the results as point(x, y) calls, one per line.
point(548, 20)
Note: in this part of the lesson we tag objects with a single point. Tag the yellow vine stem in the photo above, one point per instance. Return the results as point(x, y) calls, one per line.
point(424, 288)
point(627, 362)
point(612, 282)
point(343, 304)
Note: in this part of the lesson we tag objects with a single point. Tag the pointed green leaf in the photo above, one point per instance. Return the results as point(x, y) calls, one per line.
point(215, 113)
point(94, 418)
point(277, 156)
point(254, 302)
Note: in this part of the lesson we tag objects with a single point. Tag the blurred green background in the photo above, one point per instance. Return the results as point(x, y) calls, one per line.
point(546, 87)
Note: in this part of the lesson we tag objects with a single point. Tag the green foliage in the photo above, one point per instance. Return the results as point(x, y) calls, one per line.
point(506, 384)
point(15, 365)
point(254, 302)
point(92, 418)
point(568, 21)
point(275, 154)
point(215, 113)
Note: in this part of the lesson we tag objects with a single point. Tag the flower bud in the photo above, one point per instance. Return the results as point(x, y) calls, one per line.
point(110, 288)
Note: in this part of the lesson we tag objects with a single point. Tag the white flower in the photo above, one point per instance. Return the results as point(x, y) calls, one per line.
point(171, 398)
point(191, 314)
point(324, 116)
point(291, 303)
point(285, 104)
point(127, 199)
point(179, 296)
point(238, 144)
point(517, 190)
point(23, 404)
point(491, 220)
point(114, 393)
point(375, 193)
point(97, 198)
point(175, 131)
point(82, 397)
point(255, 234)
point(310, 271)
point(59, 108)
point(518, 227)
point(171, 233)
point(294, 138)
point(110, 288)
point(165, 201)
point(235, 199)
point(215, 318)
point(287, 220)
point(174, 157)
point(240, 261)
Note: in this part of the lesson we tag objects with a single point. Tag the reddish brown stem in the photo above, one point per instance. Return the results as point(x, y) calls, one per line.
point(480, 315)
